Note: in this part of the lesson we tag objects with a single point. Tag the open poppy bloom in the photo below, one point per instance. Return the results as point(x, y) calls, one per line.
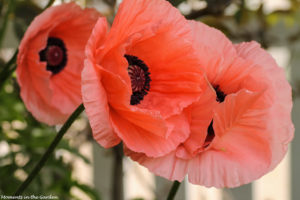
point(50, 61)
point(245, 132)
point(136, 83)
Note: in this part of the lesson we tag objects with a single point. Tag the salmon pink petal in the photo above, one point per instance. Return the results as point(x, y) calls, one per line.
point(96, 107)
point(145, 121)
point(97, 38)
point(243, 110)
point(225, 69)
point(50, 61)
point(35, 102)
point(280, 113)
point(149, 121)
point(172, 87)
point(240, 151)
point(137, 18)
point(201, 117)
point(239, 160)
point(117, 94)
point(168, 166)
point(214, 48)
point(141, 140)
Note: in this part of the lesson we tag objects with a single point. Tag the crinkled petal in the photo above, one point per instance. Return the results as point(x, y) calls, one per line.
point(201, 117)
point(240, 160)
point(97, 38)
point(243, 110)
point(176, 80)
point(140, 140)
point(137, 18)
point(240, 151)
point(35, 102)
point(169, 166)
point(280, 114)
point(214, 48)
point(97, 110)
point(156, 40)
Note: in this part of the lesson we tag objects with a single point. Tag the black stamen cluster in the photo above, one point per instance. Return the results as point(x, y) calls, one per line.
point(138, 96)
point(220, 94)
point(53, 41)
point(210, 134)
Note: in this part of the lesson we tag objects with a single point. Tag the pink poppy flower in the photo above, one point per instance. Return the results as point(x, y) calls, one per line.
point(140, 76)
point(50, 61)
point(246, 131)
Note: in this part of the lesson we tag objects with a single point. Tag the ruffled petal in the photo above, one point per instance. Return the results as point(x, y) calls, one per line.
point(240, 160)
point(137, 19)
point(50, 18)
point(97, 38)
point(141, 140)
point(280, 113)
point(240, 112)
point(169, 166)
point(97, 110)
point(214, 49)
point(35, 101)
point(240, 151)
point(118, 97)
point(201, 117)
point(176, 80)
point(66, 91)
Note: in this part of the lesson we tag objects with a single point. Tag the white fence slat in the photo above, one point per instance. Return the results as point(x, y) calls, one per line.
point(138, 181)
point(276, 184)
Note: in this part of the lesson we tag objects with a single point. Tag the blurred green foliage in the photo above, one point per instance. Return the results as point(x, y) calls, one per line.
point(25, 140)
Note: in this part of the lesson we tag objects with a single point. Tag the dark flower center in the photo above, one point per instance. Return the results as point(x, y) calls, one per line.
point(210, 135)
point(55, 54)
point(140, 78)
point(220, 94)
point(210, 130)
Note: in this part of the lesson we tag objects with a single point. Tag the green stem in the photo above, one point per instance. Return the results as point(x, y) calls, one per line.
point(173, 190)
point(50, 150)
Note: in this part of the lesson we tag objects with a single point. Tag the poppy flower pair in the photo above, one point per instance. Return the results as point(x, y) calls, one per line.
point(180, 96)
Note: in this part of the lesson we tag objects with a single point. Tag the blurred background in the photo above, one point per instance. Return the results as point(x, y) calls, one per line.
point(81, 169)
